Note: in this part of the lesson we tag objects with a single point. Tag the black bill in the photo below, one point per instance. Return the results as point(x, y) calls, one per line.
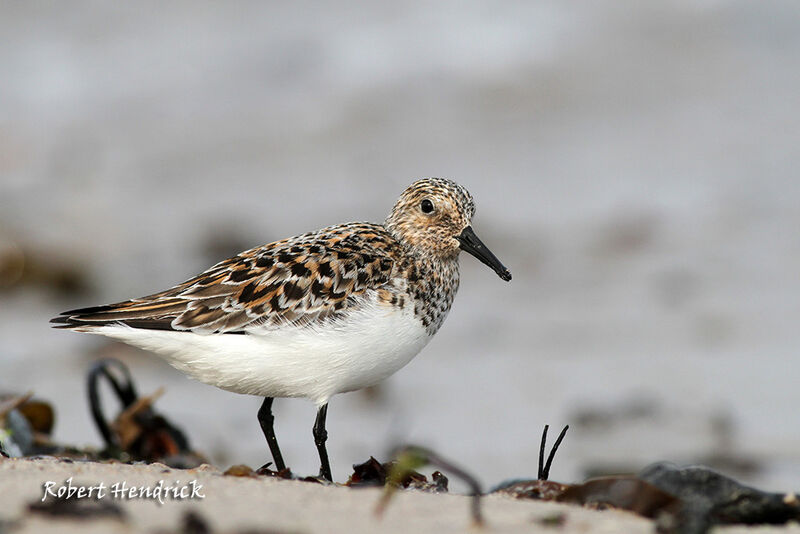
point(470, 243)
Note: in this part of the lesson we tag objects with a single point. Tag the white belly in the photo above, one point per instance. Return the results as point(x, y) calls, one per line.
point(314, 362)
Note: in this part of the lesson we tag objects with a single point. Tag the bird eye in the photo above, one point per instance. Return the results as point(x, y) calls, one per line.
point(426, 206)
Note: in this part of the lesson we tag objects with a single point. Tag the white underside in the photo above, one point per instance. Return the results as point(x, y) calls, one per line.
point(316, 362)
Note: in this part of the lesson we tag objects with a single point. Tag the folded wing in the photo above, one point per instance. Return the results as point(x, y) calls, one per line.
point(299, 281)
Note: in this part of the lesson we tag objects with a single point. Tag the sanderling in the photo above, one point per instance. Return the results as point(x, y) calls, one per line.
point(322, 313)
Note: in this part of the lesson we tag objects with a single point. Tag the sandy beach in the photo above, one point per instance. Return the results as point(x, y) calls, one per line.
point(263, 504)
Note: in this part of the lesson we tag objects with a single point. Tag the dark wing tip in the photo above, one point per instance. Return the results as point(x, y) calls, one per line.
point(92, 316)
point(71, 318)
point(60, 320)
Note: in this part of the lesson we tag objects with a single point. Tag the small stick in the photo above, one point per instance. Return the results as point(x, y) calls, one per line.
point(125, 392)
point(544, 470)
point(541, 475)
point(412, 457)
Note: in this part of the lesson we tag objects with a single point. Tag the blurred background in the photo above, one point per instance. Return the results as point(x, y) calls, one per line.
point(633, 164)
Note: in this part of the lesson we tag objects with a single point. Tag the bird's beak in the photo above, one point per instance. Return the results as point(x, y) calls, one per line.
point(470, 243)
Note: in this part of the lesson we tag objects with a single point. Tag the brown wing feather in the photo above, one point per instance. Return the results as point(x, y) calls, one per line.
point(300, 280)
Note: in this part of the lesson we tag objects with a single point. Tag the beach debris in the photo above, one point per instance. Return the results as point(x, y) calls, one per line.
point(545, 490)
point(541, 488)
point(621, 492)
point(410, 458)
point(374, 473)
point(246, 471)
point(25, 425)
point(86, 508)
point(16, 434)
point(370, 473)
point(130, 425)
point(39, 414)
point(240, 470)
point(624, 492)
point(138, 433)
point(284, 473)
point(708, 498)
point(439, 483)
point(544, 468)
point(689, 500)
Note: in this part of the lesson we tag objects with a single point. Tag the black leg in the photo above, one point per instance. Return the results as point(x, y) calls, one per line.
point(266, 420)
point(320, 437)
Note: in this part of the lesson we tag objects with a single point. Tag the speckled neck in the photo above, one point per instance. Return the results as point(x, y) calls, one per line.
point(432, 283)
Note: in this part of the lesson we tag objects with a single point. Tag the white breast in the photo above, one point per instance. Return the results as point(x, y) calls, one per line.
point(315, 361)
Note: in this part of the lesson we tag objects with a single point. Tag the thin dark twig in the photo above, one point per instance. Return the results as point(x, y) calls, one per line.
point(471, 481)
point(125, 392)
point(427, 456)
point(553, 453)
point(541, 475)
